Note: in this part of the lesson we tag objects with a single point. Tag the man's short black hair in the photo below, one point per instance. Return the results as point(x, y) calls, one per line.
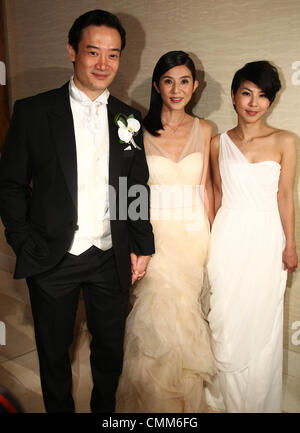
point(96, 17)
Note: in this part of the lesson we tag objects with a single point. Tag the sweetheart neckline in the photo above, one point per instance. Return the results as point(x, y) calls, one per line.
point(168, 155)
point(171, 160)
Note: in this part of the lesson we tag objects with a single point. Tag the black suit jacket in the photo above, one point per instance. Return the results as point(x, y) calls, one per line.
point(38, 184)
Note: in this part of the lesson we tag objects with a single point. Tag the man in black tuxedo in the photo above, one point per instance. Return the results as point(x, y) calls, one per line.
point(63, 209)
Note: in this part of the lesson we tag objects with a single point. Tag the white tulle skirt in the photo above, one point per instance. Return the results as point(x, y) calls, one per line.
point(167, 355)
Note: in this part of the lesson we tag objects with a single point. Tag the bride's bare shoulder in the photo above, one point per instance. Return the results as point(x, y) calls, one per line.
point(206, 126)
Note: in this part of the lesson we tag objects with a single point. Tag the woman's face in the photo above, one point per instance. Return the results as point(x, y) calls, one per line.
point(250, 102)
point(176, 87)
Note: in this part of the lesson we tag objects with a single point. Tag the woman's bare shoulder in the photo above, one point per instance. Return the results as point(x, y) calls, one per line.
point(285, 140)
point(206, 126)
point(215, 141)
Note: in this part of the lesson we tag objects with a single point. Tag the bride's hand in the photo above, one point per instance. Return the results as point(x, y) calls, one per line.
point(138, 266)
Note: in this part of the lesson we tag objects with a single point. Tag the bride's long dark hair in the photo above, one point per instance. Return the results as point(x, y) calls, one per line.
point(152, 121)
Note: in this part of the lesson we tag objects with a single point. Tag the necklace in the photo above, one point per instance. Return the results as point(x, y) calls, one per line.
point(174, 129)
point(242, 140)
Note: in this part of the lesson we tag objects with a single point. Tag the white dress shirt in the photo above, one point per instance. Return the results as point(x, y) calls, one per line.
point(92, 149)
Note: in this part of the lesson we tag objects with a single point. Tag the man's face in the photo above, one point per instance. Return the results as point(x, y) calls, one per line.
point(97, 59)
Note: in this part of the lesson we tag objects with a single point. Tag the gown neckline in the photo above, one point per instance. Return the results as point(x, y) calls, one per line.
point(244, 157)
point(167, 155)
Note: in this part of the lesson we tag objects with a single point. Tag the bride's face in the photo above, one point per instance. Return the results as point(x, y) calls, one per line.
point(176, 87)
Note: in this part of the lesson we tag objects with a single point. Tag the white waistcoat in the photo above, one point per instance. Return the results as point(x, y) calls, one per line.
point(92, 147)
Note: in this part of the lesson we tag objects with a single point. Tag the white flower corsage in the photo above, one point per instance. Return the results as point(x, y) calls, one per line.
point(128, 127)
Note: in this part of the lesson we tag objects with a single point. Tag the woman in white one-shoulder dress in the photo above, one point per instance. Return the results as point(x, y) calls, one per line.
point(252, 247)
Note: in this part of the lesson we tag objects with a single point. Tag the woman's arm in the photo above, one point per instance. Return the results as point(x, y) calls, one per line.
point(285, 198)
point(206, 175)
point(216, 177)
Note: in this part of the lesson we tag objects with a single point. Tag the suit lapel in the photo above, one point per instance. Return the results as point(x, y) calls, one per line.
point(115, 148)
point(61, 123)
point(62, 127)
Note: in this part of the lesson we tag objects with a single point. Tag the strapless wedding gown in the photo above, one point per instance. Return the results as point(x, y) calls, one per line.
point(247, 286)
point(167, 343)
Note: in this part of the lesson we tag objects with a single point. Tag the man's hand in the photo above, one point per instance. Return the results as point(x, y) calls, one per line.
point(138, 266)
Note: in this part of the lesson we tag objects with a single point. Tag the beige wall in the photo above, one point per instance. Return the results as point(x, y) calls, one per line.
point(221, 35)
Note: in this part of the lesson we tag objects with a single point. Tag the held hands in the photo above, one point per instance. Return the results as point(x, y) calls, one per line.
point(138, 266)
point(289, 257)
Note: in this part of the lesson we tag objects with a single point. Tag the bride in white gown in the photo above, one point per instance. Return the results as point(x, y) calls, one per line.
point(252, 247)
point(167, 355)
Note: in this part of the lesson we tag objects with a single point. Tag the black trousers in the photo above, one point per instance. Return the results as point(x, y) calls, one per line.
point(54, 299)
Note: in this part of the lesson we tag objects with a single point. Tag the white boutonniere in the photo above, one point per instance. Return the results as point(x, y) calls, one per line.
point(128, 127)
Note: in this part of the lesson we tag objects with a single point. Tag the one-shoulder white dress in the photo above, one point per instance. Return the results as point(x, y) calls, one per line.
point(247, 286)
